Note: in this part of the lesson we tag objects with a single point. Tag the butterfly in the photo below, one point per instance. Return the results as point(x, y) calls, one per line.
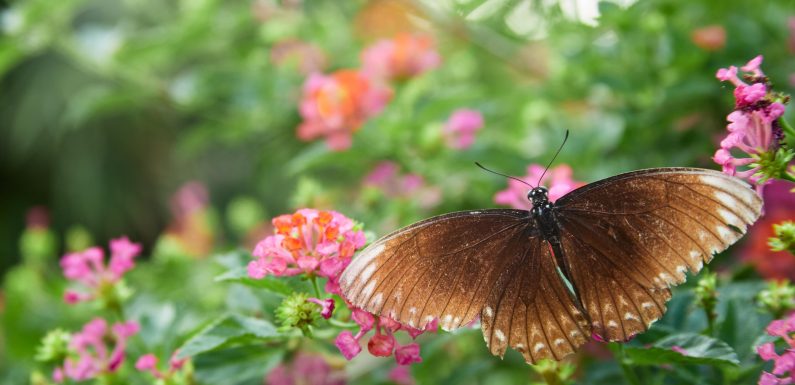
point(600, 260)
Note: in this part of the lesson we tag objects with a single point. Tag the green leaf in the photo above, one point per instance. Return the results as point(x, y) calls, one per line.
point(240, 365)
point(228, 330)
point(699, 350)
point(240, 275)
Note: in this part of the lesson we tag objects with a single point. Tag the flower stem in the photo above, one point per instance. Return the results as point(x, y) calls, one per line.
point(338, 323)
point(315, 286)
point(786, 127)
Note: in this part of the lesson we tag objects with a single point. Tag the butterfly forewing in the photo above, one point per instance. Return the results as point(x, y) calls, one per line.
point(628, 238)
point(439, 268)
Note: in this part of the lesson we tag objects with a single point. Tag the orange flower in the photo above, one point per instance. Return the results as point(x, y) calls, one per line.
point(402, 57)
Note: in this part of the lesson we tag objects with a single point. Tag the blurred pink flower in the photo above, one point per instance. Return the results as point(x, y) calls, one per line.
point(37, 217)
point(461, 127)
point(558, 180)
point(90, 352)
point(401, 375)
point(383, 342)
point(385, 176)
point(88, 268)
point(308, 242)
point(305, 369)
point(784, 363)
point(148, 363)
point(753, 125)
point(337, 105)
point(402, 57)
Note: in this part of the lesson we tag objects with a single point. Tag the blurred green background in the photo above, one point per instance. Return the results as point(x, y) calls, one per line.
point(109, 107)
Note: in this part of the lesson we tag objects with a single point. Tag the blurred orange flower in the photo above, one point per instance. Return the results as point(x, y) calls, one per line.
point(335, 106)
point(402, 57)
point(709, 38)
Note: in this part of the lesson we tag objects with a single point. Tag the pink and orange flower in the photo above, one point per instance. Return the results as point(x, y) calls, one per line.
point(337, 105)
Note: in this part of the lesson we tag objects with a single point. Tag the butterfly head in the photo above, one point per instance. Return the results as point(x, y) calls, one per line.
point(538, 195)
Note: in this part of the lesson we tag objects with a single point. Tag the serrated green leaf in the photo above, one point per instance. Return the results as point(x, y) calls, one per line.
point(228, 330)
point(698, 349)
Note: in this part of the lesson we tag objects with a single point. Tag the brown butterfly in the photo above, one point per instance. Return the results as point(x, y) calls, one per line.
point(621, 243)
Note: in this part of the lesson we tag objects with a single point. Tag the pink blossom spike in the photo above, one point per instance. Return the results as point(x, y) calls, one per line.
point(381, 345)
point(326, 305)
point(408, 354)
point(347, 344)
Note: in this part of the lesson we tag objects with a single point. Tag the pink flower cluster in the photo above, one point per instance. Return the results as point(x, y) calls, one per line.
point(753, 126)
point(784, 364)
point(460, 129)
point(148, 363)
point(383, 342)
point(309, 242)
point(88, 268)
point(558, 180)
point(337, 105)
point(386, 177)
point(305, 369)
point(93, 354)
point(401, 57)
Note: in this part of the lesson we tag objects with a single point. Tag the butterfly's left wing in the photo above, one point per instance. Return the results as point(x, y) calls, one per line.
point(628, 238)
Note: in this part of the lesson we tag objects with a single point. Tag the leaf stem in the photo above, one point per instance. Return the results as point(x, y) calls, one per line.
point(315, 286)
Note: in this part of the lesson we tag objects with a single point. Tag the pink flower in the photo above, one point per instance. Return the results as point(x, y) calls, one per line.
point(784, 364)
point(88, 268)
point(381, 345)
point(337, 105)
point(386, 177)
point(461, 127)
point(90, 353)
point(401, 375)
point(400, 58)
point(305, 369)
point(383, 342)
point(308, 242)
point(326, 305)
point(753, 126)
point(148, 363)
point(709, 38)
point(557, 179)
point(347, 344)
point(408, 354)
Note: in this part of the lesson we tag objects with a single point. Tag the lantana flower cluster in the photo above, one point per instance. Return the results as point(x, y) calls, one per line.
point(382, 343)
point(336, 105)
point(98, 279)
point(558, 180)
point(784, 363)
point(97, 349)
point(755, 132)
point(312, 242)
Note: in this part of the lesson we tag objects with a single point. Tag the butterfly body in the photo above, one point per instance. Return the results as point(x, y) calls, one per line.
point(621, 243)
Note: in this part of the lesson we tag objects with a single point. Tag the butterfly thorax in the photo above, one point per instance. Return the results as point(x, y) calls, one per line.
point(543, 212)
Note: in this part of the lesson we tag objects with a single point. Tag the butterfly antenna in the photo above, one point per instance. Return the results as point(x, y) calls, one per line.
point(553, 158)
point(501, 174)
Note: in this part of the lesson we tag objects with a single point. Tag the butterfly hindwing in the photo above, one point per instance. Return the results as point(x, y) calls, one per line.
point(628, 238)
point(530, 309)
point(440, 268)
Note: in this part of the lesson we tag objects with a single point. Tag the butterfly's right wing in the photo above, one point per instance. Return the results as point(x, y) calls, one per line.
point(454, 266)
point(628, 238)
